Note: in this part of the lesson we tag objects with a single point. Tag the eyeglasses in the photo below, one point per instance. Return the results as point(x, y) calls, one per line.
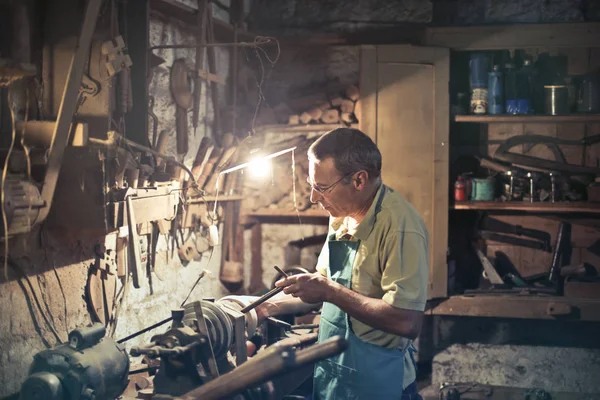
point(327, 189)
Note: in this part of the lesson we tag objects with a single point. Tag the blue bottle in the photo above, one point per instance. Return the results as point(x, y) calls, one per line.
point(510, 89)
point(495, 91)
point(478, 65)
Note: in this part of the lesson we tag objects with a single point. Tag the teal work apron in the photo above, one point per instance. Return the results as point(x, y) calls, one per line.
point(364, 371)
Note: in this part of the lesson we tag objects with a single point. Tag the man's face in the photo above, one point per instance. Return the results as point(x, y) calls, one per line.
point(329, 188)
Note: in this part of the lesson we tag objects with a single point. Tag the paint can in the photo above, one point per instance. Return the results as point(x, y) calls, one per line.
point(483, 189)
point(557, 99)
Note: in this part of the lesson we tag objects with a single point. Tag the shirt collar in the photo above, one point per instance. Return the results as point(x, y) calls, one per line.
point(366, 225)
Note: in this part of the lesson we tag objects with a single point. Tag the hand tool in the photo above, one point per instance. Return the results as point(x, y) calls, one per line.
point(265, 297)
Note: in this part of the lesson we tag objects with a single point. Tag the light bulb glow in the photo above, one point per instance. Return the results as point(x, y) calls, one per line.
point(259, 167)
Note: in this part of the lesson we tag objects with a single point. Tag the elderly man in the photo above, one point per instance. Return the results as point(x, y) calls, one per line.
point(371, 275)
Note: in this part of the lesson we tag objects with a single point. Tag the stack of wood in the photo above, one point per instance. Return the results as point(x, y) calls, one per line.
point(338, 106)
point(276, 192)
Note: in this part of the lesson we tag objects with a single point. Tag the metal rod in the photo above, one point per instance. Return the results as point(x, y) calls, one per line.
point(261, 300)
point(164, 321)
point(282, 272)
point(244, 165)
point(265, 297)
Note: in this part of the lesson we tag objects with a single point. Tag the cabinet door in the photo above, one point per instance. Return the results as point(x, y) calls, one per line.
point(405, 110)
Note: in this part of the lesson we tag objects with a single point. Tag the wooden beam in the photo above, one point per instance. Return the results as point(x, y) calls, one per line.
point(172, 9)
point(580, 34)
point(514, 306)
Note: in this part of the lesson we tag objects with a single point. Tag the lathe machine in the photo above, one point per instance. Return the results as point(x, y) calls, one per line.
point(203, 355)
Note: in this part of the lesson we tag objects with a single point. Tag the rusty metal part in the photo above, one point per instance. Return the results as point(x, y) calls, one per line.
point(68, 105)
point(533, 163)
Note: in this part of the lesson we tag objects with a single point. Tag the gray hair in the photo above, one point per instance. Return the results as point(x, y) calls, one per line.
point(350, 149)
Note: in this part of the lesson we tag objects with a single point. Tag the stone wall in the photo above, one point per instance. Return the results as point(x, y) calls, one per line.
point(39, 311)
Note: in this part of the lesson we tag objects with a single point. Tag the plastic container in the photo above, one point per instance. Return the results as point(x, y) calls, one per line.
point(510, 89)
point(460, 192)
point(496, 91)
point(527, 83)
point(479, 68)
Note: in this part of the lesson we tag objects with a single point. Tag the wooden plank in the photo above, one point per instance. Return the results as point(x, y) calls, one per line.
point(572, 131)
point(507, 306)
point(528, 118)
point(368, 89)
point(416, 154)
point(534, 262)
point(581, 207)
point(151, 208)
point(504, 252)
point(584, 236)
point(514, 36)
point(577, 60)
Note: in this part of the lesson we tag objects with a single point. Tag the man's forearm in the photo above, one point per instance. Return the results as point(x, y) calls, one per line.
point(377, 313)
point(282, 304)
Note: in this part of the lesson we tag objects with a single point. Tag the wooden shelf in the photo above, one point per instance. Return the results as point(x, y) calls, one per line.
point(518, 306)
point(212, 198)
point(286, 217)
point(564, 207)
point(528, 118)
point(301, 128)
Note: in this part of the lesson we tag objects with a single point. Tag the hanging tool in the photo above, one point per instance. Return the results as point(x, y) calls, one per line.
point(134, 244)
point(180, 89)
point(562, 252)
point(154, 122)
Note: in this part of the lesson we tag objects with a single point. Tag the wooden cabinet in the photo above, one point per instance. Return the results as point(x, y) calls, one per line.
point(405, 110)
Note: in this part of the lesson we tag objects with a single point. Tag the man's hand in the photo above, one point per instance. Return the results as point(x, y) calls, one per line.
point(310, 288)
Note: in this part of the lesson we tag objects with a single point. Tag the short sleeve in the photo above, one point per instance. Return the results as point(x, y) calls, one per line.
point(405, 274)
